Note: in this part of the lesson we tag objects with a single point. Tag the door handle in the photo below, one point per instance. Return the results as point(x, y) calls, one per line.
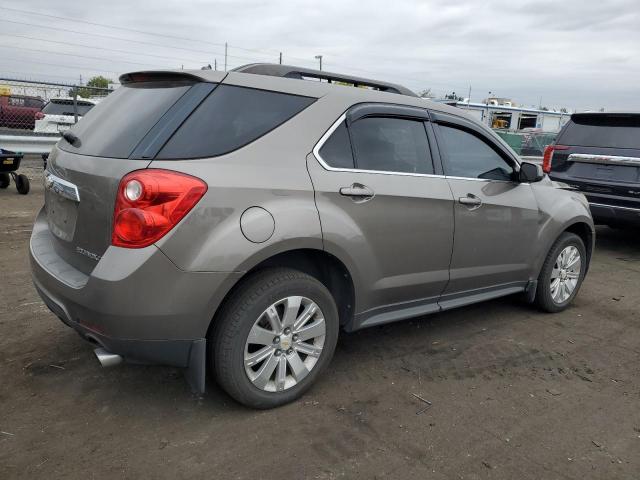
point(470, 200)
point(357, 191)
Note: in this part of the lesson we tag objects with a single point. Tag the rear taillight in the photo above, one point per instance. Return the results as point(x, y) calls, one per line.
point(39, 115)
point(548, 156)
point(150, 203)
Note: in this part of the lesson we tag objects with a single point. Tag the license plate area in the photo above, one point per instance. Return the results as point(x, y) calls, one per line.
point(61, 203)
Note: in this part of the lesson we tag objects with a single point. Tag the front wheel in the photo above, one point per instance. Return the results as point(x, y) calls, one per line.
point(562, 273)
point(274, 337)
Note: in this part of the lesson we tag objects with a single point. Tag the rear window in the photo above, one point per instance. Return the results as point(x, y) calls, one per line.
point(65, 107)
point(116, 125)
point(602, 130)
point(230, 118)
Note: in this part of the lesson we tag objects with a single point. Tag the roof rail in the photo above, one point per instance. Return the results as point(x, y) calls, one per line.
point(289, 71)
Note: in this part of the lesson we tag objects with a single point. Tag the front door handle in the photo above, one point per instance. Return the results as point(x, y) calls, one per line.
point(358, 192)
point(470, 201)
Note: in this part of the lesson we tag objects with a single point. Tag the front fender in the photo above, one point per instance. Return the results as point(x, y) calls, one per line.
point(560, 209)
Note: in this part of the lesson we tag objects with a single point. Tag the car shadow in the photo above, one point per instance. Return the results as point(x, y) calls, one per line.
point(622, 242)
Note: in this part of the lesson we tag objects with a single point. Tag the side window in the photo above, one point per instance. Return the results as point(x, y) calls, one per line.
point(336, 151)
point(392, 145)
point(469, 156)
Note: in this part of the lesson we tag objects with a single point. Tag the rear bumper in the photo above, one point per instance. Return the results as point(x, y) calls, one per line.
point(135, 302)
point(610, 202)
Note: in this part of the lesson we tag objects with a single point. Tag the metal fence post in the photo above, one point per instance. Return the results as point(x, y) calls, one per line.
point(75, 105)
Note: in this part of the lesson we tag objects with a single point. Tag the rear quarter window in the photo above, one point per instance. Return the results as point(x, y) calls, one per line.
point(229, 118)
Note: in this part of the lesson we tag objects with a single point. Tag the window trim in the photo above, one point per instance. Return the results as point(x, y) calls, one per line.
point(326, 166)
point(437, 155)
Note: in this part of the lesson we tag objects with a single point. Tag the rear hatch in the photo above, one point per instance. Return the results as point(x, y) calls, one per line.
point(599, 153)
point(153, 115)
point(86, 166)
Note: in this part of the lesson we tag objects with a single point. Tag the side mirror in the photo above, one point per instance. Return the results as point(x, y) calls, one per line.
point(530, 172)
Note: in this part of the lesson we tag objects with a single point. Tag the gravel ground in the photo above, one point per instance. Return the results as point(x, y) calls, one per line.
point(515, 393)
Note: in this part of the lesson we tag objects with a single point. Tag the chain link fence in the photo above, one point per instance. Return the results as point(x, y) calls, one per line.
point(529, 144)
point(39, 108)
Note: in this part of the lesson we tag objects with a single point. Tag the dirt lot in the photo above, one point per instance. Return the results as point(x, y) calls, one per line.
point(515, 393)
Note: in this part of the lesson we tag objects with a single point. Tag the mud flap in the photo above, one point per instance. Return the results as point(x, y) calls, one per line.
point(195, 373)
point(530, 291)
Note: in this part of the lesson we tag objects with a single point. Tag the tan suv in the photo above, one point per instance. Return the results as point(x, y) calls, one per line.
point(240, 220)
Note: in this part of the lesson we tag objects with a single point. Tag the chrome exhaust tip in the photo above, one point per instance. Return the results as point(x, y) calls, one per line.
point(106, 358)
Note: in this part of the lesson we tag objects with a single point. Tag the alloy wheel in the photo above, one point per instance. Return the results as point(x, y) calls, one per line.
point(565, 274)
point(284, 344)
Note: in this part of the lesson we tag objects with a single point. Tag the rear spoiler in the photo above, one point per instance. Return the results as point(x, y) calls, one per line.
point(158, 76)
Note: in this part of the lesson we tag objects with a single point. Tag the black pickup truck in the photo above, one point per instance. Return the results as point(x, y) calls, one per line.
point(599, 154)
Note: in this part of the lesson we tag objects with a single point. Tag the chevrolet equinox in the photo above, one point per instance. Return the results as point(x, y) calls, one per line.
point(235, 222)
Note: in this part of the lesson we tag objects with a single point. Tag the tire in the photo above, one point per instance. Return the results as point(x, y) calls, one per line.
point(555, 300)
point(22, 184)
point(4, 180)
point(245, 312)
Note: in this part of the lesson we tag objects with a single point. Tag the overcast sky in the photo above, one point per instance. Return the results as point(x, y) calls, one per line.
point(571, 53)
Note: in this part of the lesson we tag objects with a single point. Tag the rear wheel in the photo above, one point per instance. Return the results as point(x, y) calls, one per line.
point(22, 184)
point(274, 337)
point(562, 273)
point(4, 180)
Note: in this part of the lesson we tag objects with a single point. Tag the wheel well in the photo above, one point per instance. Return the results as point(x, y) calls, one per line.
point(584, 231)
point(321, 265)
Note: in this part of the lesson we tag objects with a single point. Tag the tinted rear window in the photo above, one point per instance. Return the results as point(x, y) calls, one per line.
point(602, 130)
point(65, 107)
point(229, 118)
point(116, 125)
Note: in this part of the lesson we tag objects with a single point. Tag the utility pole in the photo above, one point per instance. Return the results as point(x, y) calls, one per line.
point(225, 56)
point(215, 64)
point(280, 58)
point(319, 58)
point(469, 96)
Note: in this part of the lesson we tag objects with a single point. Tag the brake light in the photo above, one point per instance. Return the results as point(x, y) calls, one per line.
point(39, 115)
point(548, 156)
point(150, 203)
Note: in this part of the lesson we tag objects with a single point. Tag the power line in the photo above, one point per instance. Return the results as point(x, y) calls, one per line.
point(32, 80)
point(126, 29)
point(116, 27)
point(39, 50)
point(70, 67)
point(112, 37)
point(180, 59)
point(422, 81)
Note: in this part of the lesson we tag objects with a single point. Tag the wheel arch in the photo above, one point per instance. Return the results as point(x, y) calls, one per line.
point(319, 264)
point(586, 234)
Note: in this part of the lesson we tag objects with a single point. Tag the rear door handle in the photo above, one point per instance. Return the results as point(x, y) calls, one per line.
point(357, 191)
point(470, 200)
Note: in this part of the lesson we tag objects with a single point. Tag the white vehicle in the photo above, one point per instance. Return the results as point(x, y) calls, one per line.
point(58, 114)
